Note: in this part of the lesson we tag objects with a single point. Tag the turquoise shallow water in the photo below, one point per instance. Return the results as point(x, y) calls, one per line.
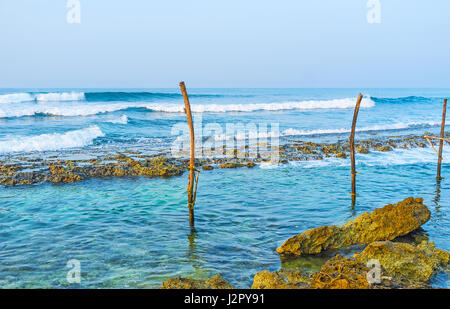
point(134, 232)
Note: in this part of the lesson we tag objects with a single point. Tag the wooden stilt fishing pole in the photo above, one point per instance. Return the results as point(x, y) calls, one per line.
point(191, 193)
point(441, 141)
point(352, 148)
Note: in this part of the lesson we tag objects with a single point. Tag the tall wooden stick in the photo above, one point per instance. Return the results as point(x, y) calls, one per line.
point(441, 141)
point(191, 177)
point(352, 147)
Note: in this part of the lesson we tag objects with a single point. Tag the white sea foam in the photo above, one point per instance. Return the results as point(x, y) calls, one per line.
point(269, 165)
point(55, 141)
point(58, 109)
point(401, 157)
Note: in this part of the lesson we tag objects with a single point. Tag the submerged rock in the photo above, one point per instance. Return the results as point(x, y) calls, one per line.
point(402, 260)
point(385, 148)
point(282, 279)
point(385, 223)
point(341, 273)
point(217, 282)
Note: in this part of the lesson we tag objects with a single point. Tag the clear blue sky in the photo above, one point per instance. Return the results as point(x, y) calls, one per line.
point(233, 43)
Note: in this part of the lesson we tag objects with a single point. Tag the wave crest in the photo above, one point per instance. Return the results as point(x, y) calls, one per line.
point(86, 109)
point(49, 142)
point(41, 97)
point(296, 132)
point(302, 105)
point(381, 127)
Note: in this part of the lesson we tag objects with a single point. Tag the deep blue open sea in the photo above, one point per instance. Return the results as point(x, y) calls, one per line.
point(134, 232)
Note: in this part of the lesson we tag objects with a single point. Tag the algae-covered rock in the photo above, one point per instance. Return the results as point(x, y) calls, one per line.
point(348, 273)
point(362, 149)
point(217, 282)
point(385, 148)
point(385, 223)
point(341, 273)
point(207, 167)
point(402, 260)
point(283, 279)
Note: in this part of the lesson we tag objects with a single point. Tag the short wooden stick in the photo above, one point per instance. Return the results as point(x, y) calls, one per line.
point(191, 200)
point(352, 147)
point(441, 141)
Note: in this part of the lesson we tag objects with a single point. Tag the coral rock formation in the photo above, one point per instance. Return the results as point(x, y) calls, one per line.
point(385, 223)
point(402, 260)
point(283, 279)
point(217, 282)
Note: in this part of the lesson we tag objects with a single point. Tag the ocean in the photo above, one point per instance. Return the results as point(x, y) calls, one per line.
point(134, 232)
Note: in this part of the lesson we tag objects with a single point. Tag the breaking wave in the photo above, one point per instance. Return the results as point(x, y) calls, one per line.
point(248, 134)
point(41, 97)
point(121, 120)
point(303, 105)
point(52, 104)
point(386, 127)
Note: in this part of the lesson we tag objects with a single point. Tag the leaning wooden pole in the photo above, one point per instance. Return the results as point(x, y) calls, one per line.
point(191, 177)
point(352, 147)
point(441, 141)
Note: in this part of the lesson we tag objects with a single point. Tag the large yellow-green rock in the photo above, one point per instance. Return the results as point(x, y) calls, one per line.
point(217, 282)
point(402, 260)
point(385, 223)
point(282, 279)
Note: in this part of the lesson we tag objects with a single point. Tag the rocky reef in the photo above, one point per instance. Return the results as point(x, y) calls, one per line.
point(217, 282)
point(341, 273)
point(406, 261)
point(386, 223)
